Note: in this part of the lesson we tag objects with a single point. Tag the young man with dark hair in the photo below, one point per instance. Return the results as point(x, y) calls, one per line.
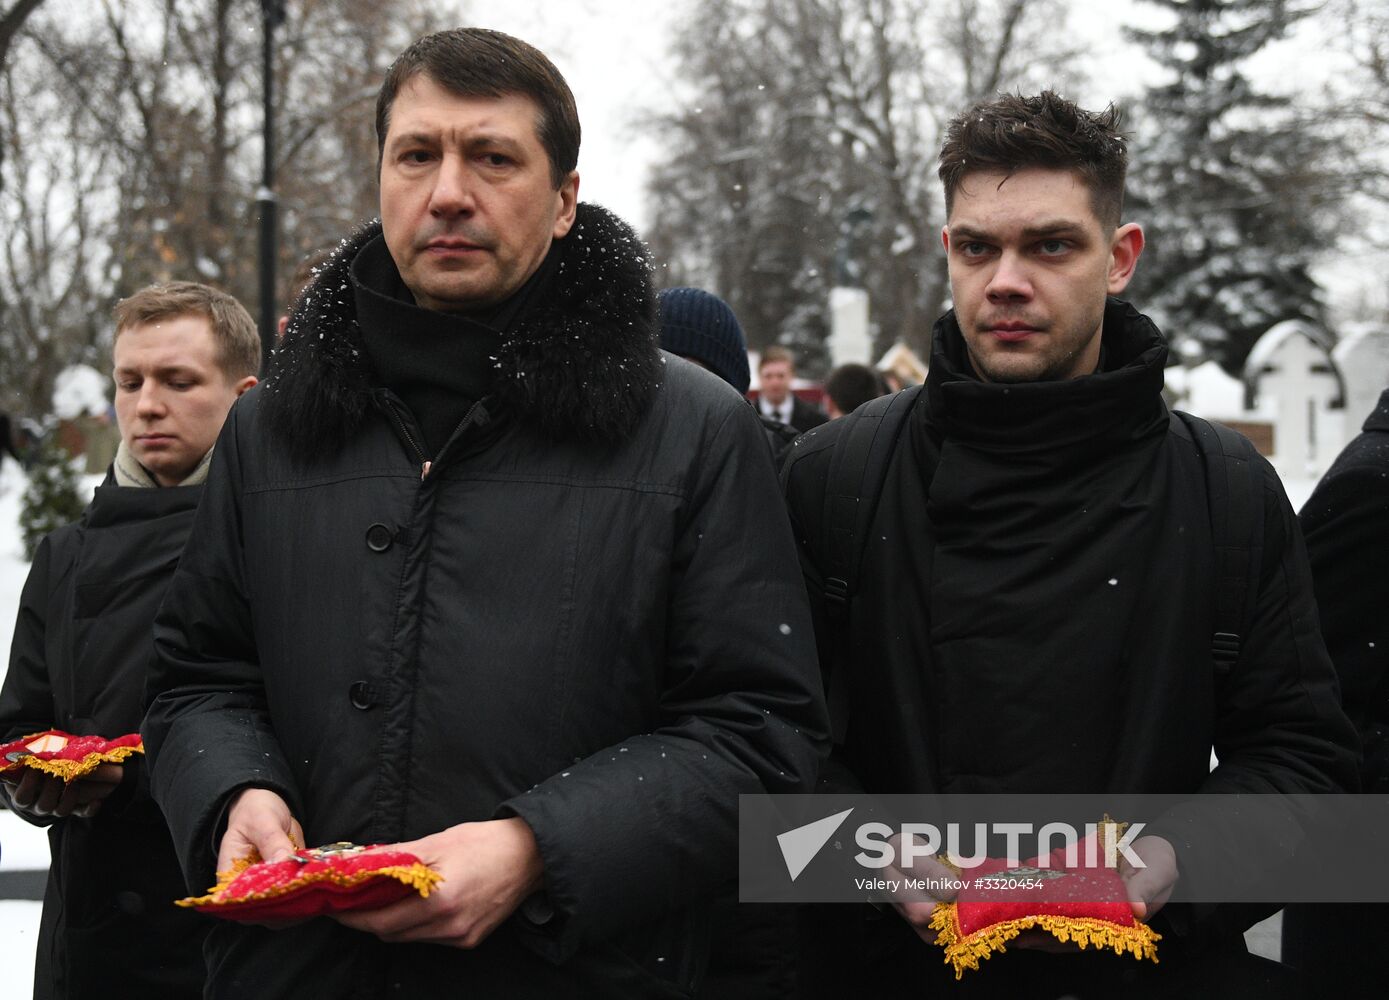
point(850, 386)
point(1038, 588)
point(183, 353)
point(479, 574)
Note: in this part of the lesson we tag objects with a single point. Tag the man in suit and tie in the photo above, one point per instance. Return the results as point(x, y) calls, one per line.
point(776, 371)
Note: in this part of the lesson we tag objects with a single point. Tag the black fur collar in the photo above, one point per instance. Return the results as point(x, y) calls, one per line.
point(582, 364)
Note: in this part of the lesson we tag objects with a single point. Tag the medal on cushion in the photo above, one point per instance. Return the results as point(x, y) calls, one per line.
point(64, 755)
point(1086, 905)
point(315, 881)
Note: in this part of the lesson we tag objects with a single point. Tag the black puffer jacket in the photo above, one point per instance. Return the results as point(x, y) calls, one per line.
point(1346, 518)
point(588, 614)
point(82, 645)
point(1034, 614)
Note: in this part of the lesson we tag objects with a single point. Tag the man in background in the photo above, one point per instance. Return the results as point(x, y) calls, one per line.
point(850, 386)
point(701, 328)
point(183, 353)
point(1346, 518)
point(775, 372)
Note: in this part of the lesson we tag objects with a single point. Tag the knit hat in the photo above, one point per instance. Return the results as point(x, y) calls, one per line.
point(696, 324)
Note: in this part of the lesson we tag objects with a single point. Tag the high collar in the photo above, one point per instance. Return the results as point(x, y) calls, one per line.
point(1117, 405)
point(439, 363)
point(579, 363)
point(114, 504)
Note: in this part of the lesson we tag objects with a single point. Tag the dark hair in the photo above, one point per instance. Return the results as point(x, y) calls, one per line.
point(852, 385)
point(233, 330)
point(478, 62)
point(1016, 132)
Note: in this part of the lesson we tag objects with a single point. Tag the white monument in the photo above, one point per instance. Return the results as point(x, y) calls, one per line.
point(1294, 380)
point(1362, 355)
point(850, 339)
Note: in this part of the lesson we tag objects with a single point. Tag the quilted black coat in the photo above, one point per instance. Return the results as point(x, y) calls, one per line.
point(587, 614)
point(82, 645)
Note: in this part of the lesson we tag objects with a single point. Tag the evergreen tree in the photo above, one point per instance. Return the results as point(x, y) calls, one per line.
point(1239, 195)
point(51, 499)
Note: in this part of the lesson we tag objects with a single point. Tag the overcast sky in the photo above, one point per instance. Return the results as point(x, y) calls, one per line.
point(615, 55)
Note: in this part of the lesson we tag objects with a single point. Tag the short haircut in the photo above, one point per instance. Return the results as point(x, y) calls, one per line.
point(1014, 132)
point(773, 354)
point(478, 62)
point(852, 385)
point(233, 330)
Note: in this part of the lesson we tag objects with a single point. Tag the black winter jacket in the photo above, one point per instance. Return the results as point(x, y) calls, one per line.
point(1034, 606)
point(82, 645)
point(1345, 519)
point(587, 614)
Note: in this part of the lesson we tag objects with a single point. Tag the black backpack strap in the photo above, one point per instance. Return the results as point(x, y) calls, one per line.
point(857, 469)
point(1234, 494)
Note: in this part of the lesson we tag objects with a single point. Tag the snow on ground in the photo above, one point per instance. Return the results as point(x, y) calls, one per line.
point(19, 930)
point(23, 848)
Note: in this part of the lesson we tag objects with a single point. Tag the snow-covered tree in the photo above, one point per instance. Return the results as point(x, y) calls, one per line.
point(807, 144)
point(1238, 192)
point(51, 499)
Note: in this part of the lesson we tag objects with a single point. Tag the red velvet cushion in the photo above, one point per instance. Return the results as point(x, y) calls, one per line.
point(1085, 904)
point(316, 881)
point(64, 755)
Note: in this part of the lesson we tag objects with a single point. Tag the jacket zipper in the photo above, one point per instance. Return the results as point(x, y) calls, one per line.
point(404, 431)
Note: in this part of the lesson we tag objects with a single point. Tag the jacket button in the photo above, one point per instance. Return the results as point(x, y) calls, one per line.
point(378, 537)
point(360, 694)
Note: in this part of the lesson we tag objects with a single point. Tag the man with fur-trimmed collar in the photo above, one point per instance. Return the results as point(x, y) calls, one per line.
point(480, 575)
point(183, 354)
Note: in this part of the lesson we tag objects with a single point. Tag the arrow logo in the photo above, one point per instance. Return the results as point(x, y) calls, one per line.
point(799, 846)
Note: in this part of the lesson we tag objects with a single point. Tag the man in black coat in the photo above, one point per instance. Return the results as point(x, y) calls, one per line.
point(82, 644)
point(479, 574)
point(776, 371)
point(1346, 524)
point(1034, 605)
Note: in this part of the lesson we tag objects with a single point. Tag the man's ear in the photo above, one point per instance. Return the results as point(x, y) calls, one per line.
point(945, 239)
point(1124, 252)
point(568, 203)
point(245, 384)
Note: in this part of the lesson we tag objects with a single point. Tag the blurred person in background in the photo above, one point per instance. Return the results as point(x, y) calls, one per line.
point(701, 327)
point(776, 371)
point(850, 386)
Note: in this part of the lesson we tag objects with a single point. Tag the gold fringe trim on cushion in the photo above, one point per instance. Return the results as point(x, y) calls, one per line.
point(966, 952)
point(418, 876)
point(70, 769)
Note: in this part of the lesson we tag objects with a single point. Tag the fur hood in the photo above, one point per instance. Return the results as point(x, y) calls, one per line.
point(581, 364)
